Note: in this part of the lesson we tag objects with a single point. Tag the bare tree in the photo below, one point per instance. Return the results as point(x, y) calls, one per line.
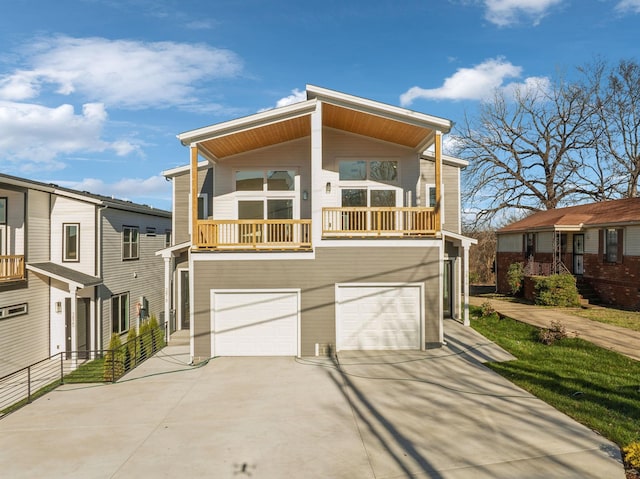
point(528, 149)
point(616, 94)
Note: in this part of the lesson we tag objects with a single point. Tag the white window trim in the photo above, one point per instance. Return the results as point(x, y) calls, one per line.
point(130, 258)
point(65, 240)
point(264, 194)
point(14, 310)
point(427, 199)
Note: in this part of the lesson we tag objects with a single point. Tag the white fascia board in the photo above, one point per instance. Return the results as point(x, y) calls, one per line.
point(248, 122)
point(446, 159)
point(172, 250)
point(381, 109)
point(184, 169)
point(465, 240)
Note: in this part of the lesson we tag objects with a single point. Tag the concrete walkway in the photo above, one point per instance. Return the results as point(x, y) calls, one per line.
point(622, 340)
point(436, 414)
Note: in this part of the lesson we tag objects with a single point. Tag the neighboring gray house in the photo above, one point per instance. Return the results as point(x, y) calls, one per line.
point(329, 224)
point(74, 267)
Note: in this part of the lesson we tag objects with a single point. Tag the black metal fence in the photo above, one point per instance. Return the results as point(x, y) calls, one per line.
point(106, 365)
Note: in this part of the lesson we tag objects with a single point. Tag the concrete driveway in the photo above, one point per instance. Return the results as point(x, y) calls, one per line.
point(436, 414)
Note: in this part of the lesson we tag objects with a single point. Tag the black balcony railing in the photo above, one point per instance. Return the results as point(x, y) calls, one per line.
point(107, 365)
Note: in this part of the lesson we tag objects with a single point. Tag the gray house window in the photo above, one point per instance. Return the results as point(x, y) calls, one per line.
point(71, 242)
point(120, 313)
point(130, 242)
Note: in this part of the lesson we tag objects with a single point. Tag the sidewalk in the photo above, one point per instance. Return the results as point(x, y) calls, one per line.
point(622, 340)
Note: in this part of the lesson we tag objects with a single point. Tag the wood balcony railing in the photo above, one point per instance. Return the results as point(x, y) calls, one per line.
point(378, 221)
point(11, 267)
point(254, 234)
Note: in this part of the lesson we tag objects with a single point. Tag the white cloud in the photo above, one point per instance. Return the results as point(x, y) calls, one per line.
point(475, 83)
point(34, 135)
point(119, 73)
point(625, 6)
point(508, 12)
point(296, 97)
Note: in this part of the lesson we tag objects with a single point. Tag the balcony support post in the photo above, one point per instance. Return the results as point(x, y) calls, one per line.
point(194, 194)
point(438, 179)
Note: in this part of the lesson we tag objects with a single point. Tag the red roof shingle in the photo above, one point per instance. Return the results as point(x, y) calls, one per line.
point(593, 214)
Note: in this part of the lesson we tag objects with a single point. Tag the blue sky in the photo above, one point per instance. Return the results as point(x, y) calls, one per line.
point(94, 92)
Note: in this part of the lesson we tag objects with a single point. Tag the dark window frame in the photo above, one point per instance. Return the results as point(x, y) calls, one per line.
point(120, 320)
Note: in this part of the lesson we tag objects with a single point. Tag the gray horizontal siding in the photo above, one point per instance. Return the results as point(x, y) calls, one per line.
point(25, 339)
point(141, 277)
point(317, 279)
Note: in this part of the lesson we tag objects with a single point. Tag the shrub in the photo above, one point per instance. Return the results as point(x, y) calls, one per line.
point(556, 290)
point(515, 277)
point(114, 359)
point(555, 332)
point(130, 350)
point(632, 455)
point(487, 309)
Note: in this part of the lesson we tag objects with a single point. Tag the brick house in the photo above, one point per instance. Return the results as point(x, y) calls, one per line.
point(599, 243)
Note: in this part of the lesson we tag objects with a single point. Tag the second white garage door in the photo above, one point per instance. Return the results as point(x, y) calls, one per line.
point(378, 316)
point(254, 323)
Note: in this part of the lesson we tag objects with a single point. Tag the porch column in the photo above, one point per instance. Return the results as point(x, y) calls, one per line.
point(465, 282)
point(74, 327)
point(167, 297)
point(194, 194)
point(438, 179)
point(317, 187)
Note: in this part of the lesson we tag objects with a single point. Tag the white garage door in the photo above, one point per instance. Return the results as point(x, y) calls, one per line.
point(254, 323)
point(377, 316)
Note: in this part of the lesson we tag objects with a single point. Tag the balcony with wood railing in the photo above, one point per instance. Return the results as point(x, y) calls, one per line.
point(11, 267)
point(253, 234)
point(379, 222)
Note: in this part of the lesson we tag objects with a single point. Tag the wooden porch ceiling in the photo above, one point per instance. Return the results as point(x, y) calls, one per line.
point(374, 126)
point(333, 116)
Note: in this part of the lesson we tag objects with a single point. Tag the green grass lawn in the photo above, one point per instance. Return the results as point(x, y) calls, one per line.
point(617, 317)
point(597, 387)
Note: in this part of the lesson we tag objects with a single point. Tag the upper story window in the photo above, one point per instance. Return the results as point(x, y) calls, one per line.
point(383, 171)
point(167, 238)
point(3, 211)
point(71, 242)
point(265, 180)
point(130, 242)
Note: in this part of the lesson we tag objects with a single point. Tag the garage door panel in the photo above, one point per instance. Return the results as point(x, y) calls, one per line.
point(255, 323)
point(379, 317)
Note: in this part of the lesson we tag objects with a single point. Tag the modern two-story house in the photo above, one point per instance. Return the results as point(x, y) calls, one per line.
point(74, 268)
point(330, 224)
point(599, 243)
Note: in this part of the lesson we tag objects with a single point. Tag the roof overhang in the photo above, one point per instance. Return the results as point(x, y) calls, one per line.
point(339, 111)
point(174, 250)
point(66, 275)
point(459, 239)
